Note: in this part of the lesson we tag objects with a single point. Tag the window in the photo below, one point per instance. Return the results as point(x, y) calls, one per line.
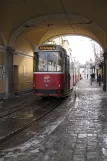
point(48, 61)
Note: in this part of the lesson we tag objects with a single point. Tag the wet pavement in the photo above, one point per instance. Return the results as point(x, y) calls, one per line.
point(16, 100)
point(74, 131)
point(23, 114)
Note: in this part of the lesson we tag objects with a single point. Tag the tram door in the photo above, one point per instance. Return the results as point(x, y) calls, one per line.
point(67, 73)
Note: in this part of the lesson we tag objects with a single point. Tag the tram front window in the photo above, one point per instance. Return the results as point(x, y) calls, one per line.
point(48, 61)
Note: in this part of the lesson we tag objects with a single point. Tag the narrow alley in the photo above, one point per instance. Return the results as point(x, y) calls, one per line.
point(75, 131)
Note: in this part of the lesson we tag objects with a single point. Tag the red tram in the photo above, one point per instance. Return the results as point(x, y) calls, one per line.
point(53, 72)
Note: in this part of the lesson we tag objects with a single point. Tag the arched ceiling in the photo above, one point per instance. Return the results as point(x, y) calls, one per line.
point(38, 20)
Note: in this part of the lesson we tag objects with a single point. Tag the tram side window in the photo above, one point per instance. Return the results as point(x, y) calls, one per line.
point(35, 62)
point(68, 64)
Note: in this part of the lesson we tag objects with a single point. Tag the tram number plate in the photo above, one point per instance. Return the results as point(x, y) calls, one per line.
point(46, 80)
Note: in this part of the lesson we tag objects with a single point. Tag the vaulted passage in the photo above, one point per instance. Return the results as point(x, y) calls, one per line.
point(37, 126)
point(25, 24)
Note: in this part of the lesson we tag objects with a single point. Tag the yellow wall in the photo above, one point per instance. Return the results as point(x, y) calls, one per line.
point(24, 46)
point(24, 78)
point(2, 81)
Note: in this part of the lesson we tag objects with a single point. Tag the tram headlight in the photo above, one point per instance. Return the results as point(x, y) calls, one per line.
point(59, 85)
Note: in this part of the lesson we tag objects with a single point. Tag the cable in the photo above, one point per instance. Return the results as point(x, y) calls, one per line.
point(90, 21)
point(67, 16)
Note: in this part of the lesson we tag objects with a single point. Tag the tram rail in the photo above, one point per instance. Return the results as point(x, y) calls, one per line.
point(51, 107)
point(15, 109)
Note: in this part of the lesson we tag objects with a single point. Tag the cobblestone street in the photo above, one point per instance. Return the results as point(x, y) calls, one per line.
point(75, 131)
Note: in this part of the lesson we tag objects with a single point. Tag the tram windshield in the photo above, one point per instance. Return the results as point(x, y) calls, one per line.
point(48, 61)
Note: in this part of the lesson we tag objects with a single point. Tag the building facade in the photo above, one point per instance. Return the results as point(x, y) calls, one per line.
point(99, 60)
point(60, 41)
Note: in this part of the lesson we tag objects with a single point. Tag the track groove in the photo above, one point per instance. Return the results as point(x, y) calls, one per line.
point(31, 123)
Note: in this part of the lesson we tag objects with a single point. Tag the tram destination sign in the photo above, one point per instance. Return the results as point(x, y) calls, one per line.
point(47, 47)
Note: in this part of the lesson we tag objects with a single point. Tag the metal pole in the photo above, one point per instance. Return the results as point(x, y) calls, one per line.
point(90, 73)
point(91, 81)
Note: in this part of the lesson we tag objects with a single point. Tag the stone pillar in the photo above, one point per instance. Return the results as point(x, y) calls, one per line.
point(9, 72)
point(105, 71)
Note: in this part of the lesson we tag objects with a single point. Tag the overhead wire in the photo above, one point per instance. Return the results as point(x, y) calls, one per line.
point(67, 16)
point(90, 21)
